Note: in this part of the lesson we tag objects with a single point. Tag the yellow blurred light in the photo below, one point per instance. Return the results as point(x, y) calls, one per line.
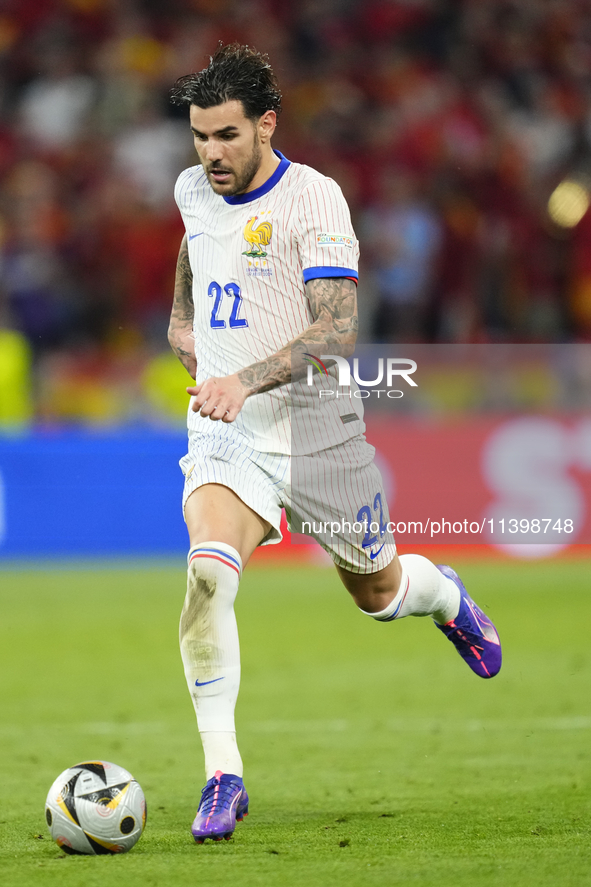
point(144, 55)
point(16, 403)
point(568, 203)
point(164, 382)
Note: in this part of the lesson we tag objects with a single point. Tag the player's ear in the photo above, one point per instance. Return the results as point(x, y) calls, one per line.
point(267, 124)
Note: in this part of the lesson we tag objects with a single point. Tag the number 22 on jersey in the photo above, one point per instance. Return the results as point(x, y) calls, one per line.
point(217, 294)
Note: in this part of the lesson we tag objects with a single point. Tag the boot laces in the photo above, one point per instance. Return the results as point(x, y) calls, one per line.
point(216, 796)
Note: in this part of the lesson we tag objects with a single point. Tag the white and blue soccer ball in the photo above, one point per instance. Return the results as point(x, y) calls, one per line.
point(95, 808)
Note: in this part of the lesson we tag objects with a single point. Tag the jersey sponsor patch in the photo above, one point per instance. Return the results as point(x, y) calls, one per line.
point(334, 240)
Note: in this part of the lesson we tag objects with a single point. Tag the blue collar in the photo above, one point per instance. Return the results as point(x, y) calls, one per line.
point(264, 188)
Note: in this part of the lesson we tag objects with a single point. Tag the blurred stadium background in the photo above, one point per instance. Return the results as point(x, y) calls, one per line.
point(460, 133)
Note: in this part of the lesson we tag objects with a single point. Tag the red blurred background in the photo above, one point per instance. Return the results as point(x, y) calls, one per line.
point(447, 124)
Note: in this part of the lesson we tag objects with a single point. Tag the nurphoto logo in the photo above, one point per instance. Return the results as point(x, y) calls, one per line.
point(388, 369)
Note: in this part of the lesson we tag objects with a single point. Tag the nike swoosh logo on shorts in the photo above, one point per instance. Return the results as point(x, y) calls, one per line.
point(199, 683)
point(193, 236)
point(374, 554)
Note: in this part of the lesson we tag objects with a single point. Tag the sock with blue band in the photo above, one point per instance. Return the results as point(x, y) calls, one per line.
point(211, 652)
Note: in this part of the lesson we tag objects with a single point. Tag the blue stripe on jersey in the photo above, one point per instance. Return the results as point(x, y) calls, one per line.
point(264, 189)
point(326, 271)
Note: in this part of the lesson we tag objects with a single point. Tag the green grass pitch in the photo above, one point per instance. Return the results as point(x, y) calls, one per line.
point(373, 755)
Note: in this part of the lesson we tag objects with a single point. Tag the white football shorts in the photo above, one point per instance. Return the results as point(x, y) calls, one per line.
point(335, 496)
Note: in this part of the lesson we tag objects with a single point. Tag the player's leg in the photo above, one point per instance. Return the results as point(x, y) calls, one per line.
point(215, 508)
point(223, 533)
point(409, 585)
point(419, 588)
point(231, 505)
point(341, 488)
point(340, 491)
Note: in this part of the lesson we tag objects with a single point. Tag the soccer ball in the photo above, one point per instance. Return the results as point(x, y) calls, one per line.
point(96, 808)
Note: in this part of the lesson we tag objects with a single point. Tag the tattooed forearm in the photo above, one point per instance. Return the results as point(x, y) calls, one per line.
point(180, 330)
point(333, 303)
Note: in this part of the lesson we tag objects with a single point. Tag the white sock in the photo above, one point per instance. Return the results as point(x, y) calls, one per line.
point(221, 753)
point(424, 591)
point(211, 652)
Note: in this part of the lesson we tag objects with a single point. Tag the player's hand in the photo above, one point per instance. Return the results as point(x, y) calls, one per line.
point(219, 398)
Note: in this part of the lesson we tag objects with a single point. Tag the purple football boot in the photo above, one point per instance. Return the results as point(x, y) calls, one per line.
point(223, 802)
point(472, 633)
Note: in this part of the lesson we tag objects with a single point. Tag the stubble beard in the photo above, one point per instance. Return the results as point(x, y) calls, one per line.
point(246, 176)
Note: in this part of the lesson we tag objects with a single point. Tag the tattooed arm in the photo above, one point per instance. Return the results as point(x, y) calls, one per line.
point(333, 303)
point(180, 329)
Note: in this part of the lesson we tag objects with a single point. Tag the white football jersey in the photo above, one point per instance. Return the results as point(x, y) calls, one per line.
point(251, 256)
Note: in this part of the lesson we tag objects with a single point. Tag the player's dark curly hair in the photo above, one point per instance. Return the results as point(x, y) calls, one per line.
point(235, 73)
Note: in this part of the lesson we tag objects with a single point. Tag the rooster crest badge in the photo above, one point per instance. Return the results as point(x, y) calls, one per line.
point(257, 236)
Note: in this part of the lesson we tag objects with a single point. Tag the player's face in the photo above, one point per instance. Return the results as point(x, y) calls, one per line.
point(228, 145)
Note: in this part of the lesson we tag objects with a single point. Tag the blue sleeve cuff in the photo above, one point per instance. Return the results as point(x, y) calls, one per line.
point(326, 271)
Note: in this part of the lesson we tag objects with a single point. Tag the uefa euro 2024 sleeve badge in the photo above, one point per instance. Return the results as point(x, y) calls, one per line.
point(257, 233)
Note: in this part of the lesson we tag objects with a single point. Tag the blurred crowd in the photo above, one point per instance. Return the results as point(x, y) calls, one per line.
point(448, 124)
